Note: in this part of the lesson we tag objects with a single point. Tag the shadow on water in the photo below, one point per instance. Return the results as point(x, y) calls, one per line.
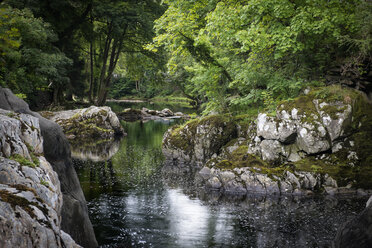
point(134, 202)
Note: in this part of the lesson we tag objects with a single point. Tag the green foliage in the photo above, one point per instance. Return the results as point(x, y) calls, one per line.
point(34, 62)
point(268, 100)
point(234, 51)
point(43, 182)
point(23, 161)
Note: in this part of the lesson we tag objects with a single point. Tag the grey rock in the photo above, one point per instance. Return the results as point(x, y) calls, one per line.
point(313, 139)
point(167, 112)
point(271, 150)
point(214, 183)
point(205, 173)
point(283, 130)
point(35, 222)
point(75, 221)
point(335, 126)
point(89, 122)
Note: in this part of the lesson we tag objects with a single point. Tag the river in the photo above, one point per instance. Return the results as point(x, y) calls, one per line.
point(133, 203)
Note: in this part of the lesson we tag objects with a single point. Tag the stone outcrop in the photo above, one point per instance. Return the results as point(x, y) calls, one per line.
point(356, 233)
point(314, 143)
point(198, 140)
point(93, 122)
point(75, 220)
point(130, 114)
point(30, 193)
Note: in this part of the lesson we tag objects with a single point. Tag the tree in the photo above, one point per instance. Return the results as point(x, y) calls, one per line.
point(236, 51)
point(121, 27)
point(31, 61)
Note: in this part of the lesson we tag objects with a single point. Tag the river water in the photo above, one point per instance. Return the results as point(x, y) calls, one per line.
point(133, 203)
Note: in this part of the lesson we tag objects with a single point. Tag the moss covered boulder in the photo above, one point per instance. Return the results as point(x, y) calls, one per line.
point(198, 140)
point(92, 122)
point(317, 142)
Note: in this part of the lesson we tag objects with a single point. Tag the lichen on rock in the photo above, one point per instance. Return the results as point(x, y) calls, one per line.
point(198, 140)
point(317, 142)
point(30, 196)
point(92, 122)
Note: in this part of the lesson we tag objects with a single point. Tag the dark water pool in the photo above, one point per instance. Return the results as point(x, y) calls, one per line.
point(132, 203)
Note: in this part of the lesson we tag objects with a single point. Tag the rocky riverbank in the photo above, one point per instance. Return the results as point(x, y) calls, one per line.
point(41, 199)
point(145, 114)
point(316, 143)
point(30, 192)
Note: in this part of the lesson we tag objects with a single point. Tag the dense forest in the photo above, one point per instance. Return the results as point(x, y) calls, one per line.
point(229, 55)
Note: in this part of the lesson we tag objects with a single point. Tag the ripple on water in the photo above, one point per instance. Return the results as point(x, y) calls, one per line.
point(133, 204)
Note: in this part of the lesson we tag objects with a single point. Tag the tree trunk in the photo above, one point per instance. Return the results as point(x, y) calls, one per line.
point(106, 79)
point(91, 78)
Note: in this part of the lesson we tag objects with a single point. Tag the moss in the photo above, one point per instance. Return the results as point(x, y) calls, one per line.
point(128, 111)
point(333, 110)
point(22, 160)
point(47, 114)
point(271, 172)
point(33, 155)
point(304, 104)
point(334, 93)
point(240, 158)
point(362, 115)
point(180, 140)
point(87, 128)
point(35, 159)
point(343, 173)
point(22, 187)
point(15, 200)
point(11, 114)
point(45, 183)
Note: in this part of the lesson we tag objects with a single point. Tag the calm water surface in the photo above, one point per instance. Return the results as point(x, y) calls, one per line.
point(133, 203)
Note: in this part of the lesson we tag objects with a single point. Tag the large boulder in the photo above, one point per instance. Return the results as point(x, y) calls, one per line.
point(30, 193)
point(92, 122)
point(198, 140)
point(75, 220)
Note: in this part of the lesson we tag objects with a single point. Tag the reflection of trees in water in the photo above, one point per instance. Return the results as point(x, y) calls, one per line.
point(98, 177)
point(138, 165)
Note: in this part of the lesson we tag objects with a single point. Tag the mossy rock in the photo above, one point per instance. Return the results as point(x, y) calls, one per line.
point(24, 161)
point(344, 174)
point(181, 139)
point(184, 137)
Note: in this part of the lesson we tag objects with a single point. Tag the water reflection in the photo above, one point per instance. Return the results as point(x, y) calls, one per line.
point(188, 219)
point(135, 202)
point(95, 151)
